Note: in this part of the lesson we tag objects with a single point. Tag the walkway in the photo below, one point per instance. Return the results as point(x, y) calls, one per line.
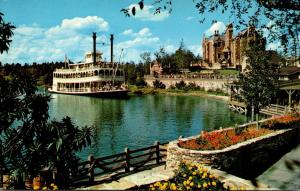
point(285, 174)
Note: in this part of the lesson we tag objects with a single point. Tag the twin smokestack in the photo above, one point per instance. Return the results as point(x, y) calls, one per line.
point(111, 47)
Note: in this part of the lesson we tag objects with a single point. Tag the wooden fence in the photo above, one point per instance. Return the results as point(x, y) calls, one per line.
point(121, 163)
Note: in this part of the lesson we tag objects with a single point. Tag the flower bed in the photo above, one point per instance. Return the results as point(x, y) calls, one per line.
point(190, 177)
point(246, 155)
point(221, 139)
point(217, 140)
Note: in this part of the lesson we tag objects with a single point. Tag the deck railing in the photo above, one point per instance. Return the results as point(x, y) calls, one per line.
point(121, 163)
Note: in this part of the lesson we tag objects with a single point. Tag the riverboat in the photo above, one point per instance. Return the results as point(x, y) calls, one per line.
point(92, 77)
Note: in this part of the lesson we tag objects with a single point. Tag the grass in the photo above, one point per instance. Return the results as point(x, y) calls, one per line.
point(228, 72)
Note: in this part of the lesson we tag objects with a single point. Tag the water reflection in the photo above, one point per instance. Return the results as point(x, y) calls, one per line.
point(139, 121)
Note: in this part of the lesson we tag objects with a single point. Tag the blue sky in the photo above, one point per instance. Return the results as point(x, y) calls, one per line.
point(47, 30)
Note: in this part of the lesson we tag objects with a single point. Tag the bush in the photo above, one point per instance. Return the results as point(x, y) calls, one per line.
point(190, 177)
point(140, 82)
point(180, 85)
point(158, 84)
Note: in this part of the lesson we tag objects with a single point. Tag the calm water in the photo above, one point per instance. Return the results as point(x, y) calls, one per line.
point(139, 121)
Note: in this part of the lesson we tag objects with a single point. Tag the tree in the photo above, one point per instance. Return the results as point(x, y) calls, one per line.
point(28, 141)
point(146, 59)
point(166, 60)
point(259, 82)
point(5, 34)
point(283, 15)
point(183, 57)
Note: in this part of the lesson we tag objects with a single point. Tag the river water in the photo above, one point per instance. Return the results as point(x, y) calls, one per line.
point(140, 121)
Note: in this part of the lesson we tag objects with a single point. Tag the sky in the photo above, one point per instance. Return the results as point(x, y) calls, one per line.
point(49, 30)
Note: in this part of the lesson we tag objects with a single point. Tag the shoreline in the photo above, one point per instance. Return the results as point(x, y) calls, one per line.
point(151, 91)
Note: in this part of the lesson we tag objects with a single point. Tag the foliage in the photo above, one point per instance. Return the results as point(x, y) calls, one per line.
point(28, 141)
point(42, 72)
point(180, 85)
point(283, 15)
point(283, 122)
point(216, 140)
point(259, 81)
point(6, 32)
point(183, 57)
point(190, 177)
point(167, 61)
point(140, 82)
point(158, 84)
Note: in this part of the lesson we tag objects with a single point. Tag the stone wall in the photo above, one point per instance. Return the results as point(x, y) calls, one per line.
point(207, 84)
point(246, 160)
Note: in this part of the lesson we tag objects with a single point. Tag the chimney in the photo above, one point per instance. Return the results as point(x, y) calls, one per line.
point(111, 48)
point(94, 47)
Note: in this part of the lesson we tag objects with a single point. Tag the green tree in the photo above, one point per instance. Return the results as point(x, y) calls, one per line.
point(166, 60)
point(6, 32)
point(259, 81)
point(183, 57)
point(28, 141)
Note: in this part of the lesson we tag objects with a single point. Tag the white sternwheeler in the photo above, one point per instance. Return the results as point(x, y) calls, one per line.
point(93, 77)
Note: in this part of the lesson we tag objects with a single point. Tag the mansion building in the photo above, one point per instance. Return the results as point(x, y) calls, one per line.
point(227, 51)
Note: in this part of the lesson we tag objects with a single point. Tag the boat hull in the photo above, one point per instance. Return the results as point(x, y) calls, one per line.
point(104, 94)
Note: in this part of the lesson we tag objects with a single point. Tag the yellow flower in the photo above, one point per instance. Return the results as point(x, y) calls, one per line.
point(190, 178)
point(204, 175)
point(173, 186)
point(36, 188)
point(192, 184)
point(184, 183)
point(188, 188)
point(190, 168)
point(184, 175)
point(151, 186)
point(44, 188)
point(194, 173)
point(204, 185)
point(199, 186)
point(214, 183)
point(52, 184)
point(211, 176)
point(208, 183)
point(55, 188)
point(188, 182)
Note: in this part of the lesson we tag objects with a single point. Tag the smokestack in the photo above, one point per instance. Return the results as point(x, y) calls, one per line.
point(111, 48)
point(94, 47)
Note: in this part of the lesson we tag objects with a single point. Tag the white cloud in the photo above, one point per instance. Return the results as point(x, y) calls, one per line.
point(220, 26)
point(71, 37)
point(127, 32)
point(170, 48)
point(196, 49)
point(147, 14)
point(190, 18)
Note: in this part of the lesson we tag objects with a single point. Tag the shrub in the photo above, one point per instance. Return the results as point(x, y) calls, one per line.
point(180, 85)
point(190, 177)
point(140, 82)
point(158, 84)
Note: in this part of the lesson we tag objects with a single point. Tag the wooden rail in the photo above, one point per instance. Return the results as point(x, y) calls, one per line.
point(121, 163)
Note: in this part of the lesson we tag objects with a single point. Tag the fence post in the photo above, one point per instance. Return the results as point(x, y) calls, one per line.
point(127, 160)
point(91, 164)
point(157, 151)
